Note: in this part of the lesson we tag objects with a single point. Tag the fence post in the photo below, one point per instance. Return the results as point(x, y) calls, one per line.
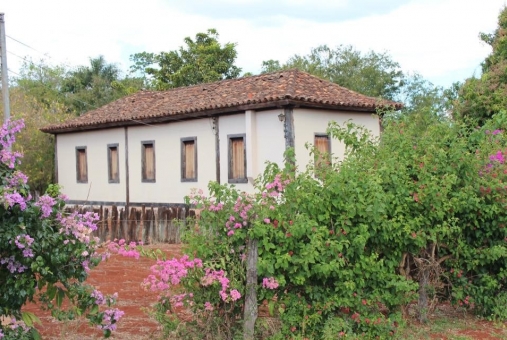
point(250, 313)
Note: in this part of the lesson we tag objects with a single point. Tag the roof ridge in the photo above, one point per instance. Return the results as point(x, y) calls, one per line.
point(263, 91)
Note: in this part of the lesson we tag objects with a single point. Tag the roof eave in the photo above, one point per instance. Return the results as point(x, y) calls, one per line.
point(209, 112)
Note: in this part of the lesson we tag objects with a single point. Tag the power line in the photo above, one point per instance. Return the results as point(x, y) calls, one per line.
point(11, 71)
point(22, 43)
point(20, 57)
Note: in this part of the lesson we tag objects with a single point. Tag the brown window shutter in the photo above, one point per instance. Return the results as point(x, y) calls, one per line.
point(114, 163)
point(238, 158)
point(189, 159)
point(149, 165)
point(322, 147)
point(82, 166)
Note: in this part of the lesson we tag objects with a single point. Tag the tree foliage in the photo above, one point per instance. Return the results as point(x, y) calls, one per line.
point(480, 98)
point(81, 89)
point(37, 147)
point(90, 87)
point(201, 60)
point(373, 74)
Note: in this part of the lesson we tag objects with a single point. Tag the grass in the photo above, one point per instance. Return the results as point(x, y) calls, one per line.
point(449, 323)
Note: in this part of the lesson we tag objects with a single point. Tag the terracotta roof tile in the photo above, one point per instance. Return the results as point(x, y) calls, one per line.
point(292, 87)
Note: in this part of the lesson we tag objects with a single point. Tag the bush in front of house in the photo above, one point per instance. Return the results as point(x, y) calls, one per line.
point(45, 254)
point(344, 249)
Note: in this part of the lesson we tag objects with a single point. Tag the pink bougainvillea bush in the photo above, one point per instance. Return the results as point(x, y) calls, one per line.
point(45, 253)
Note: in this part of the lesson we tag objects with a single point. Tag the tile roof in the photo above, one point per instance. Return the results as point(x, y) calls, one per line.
point(291, 87)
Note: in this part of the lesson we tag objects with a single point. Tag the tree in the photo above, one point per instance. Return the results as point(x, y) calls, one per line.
point(202, 60)
point(89, 87)
point(36, 146)
point(420, 95)
point(373, 74)
point(42, 81)
point(480, 98)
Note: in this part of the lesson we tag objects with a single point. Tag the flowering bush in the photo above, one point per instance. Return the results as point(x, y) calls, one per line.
point(343, 248)
point(44, 253)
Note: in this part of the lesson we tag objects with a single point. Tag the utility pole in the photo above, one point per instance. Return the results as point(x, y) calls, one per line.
point(5, 77)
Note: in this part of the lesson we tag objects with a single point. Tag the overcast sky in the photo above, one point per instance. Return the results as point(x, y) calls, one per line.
point(437, 38)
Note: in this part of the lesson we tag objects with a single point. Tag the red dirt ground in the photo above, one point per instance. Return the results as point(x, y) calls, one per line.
point(124, 276)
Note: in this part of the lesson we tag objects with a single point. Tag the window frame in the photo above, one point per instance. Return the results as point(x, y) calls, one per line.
point(144, 178)
point(183, 159)
point(318, 134)
point(79, 179)
point(109, 162)
point(230, 138)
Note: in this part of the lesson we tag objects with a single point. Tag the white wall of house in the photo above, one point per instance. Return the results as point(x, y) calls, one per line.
point(308, 122)
point(270, 139)
point(98, 187)
point(264, 141)
point(168, 187)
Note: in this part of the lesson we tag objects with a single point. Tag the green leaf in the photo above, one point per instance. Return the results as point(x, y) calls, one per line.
point(59, 297)
point(29, 318)
point(94, 310)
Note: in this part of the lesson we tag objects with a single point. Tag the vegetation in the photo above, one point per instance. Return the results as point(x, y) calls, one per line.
point(481, 97)
point(344, 248)
point(202, 60)
point(44, 253)
point(372, 74)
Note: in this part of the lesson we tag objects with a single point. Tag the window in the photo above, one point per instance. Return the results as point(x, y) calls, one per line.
point(237, 159)
point(113, 163)
point(148, 161)
point(81, 165)
point(189, 159)
point(322, 150)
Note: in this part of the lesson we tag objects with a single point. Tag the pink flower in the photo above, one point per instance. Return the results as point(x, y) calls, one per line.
point(270, 283)
point(46, 204)
point(235, 295)
point(267, 220)
point(208, 306)
point(230, 233)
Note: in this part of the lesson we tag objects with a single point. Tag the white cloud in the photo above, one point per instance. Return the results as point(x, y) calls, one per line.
point(438, 38)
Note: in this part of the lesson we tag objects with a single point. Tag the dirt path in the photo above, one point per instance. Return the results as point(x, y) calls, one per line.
point(124, 276)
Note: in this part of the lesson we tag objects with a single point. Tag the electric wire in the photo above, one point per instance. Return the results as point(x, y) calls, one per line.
point(22, 43)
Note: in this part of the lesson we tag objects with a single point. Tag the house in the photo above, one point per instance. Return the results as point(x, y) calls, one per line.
point(153, 147)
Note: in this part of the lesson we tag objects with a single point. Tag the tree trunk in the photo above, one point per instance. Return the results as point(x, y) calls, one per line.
point(422, 307)
point(250, 313)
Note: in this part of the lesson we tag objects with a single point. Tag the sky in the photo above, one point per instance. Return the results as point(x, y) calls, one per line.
point(437, 38)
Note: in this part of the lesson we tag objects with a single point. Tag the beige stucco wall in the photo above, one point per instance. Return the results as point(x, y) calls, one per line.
point(168, 187)
point(264, 142)
point(270, 139)
point(308, 122)
point(98, 187)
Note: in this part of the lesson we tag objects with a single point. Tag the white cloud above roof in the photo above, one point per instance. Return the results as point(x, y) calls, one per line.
point(437, 38)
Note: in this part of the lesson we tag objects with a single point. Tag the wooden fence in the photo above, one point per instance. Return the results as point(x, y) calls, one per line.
point(146, 224)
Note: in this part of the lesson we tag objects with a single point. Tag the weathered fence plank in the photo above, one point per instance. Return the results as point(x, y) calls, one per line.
point(146, 223)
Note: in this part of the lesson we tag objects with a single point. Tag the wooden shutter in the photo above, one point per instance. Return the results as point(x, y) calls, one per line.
point(322, 150)
point(237, 158)
point(189, 159)
point(82, 173)
point(149, 162)
point(113, 163)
